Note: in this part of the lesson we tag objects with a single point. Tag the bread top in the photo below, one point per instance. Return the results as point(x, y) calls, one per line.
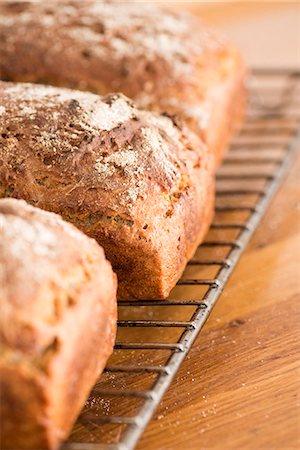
point(44, 265)
point(97, 154)
point(164, 60)
point(116, 33)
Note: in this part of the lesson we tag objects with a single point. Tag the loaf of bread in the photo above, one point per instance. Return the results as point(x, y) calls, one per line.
point(57, 324)
point(166, 61)
point(137, 182)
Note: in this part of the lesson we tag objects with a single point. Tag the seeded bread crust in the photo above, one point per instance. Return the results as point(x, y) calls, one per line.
point(137, 182)
point(165, 61)
point(57, 324)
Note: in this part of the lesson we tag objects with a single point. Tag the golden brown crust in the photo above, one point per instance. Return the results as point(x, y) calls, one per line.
point(141, 185)
point(57, 324)
point(165, 61)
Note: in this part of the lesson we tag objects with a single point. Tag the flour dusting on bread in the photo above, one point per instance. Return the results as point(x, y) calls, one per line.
point(93, 142)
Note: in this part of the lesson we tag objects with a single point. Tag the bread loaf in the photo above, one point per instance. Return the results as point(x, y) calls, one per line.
point(166, 61)
point(57, 324)
point(136, 181)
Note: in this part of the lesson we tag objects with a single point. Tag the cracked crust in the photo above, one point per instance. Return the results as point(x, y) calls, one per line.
point(51, 277)
point(165, 60)
point(137, 182)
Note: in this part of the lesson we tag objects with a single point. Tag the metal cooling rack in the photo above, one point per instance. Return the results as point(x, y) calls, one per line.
point(145, 361)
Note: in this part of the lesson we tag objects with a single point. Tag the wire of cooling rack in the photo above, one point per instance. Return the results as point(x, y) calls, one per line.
point(259, 156)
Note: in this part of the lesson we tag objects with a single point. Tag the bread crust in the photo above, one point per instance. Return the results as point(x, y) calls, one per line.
point(57, 324)
point(164, 60)
point(136, 181)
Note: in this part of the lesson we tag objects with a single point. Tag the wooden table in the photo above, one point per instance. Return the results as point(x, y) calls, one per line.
point(240, 386)
point(246, 362)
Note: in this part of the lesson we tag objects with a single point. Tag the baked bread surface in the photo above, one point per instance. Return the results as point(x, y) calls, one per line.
point(136, 181)
point(57, 324)
point(165, 60)
point(142, 186)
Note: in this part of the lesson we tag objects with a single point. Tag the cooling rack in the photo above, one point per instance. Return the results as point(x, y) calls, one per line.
point(154, 337)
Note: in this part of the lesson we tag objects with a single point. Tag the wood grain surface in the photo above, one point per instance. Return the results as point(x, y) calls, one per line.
point(240, 386)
